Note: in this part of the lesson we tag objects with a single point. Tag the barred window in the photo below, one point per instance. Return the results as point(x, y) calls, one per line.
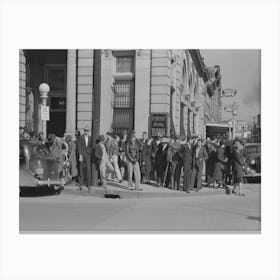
point(123, 94)
point(122, 120)
point(123, 104)
point(124, 91)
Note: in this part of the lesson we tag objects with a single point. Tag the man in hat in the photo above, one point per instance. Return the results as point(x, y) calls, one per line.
point(154, 147)
point(199, 157)
point(101, 160)
point(84, 147)
point(174, 163)
point(161, 162)
point(145, 157)
point(186, 155)
point(133, 168)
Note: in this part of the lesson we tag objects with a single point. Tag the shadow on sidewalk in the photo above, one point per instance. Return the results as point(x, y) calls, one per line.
point(254, 218)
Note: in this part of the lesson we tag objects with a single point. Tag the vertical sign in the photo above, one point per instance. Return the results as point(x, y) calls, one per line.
point(159, 124)
point(45, 113)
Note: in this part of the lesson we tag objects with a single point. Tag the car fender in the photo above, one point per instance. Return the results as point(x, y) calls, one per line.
point(26, 178)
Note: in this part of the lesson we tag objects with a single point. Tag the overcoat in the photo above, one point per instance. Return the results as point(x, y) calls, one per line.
point(186, 155)
point(238, 164)
point(219, 164)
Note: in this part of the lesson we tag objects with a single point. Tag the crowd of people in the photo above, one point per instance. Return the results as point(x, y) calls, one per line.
point(169, 162)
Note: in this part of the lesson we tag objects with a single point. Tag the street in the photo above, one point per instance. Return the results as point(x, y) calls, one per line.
point(210, 210)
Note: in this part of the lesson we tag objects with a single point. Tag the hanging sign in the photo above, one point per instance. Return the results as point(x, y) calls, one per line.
point(45, 113)
point(228, 92)
point(159, 124)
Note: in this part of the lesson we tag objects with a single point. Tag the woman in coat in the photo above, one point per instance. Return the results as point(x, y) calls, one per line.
point(219, 166)
point(238, 165)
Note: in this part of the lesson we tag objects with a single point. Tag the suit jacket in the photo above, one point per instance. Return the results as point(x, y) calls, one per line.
point(186, 155)
point(200, 157)
point(97, 153)
point(84, 150)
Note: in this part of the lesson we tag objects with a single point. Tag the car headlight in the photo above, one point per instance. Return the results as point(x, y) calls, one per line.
point(253, 161)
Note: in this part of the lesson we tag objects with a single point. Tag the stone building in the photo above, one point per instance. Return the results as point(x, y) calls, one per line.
point(161, 91)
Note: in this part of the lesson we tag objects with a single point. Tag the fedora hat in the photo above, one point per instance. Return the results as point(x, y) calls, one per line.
point(87, 127)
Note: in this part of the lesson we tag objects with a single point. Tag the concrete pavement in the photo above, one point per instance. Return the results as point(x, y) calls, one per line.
point(210, 210)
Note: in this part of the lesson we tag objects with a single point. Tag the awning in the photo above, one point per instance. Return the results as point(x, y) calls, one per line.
point(216, 129)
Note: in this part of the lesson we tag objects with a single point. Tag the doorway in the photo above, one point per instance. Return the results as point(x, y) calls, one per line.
point(55, 76)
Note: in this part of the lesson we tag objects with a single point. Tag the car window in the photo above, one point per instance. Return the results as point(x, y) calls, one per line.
point(253, 149)
point(41, 150)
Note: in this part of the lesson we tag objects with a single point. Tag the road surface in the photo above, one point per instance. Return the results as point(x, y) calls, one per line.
point(210, 210)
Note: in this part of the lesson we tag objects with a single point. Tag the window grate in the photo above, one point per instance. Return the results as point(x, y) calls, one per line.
point(123, 94)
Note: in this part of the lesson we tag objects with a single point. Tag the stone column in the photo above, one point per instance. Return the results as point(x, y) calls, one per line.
point(71, 92)
point(22, 88)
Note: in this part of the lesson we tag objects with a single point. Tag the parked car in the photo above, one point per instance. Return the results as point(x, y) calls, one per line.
point(252, 153)
point(38, 169)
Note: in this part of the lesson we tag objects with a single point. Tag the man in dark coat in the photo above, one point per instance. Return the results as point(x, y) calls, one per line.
point(145, 157)
point(155, 145)
point(210, 162)
point(174, 162)
point(238, 167)
point(84, 146)
point(161, 162)
point(228, 165)
point(198, 158)
point(186, 155)
point(219, 165)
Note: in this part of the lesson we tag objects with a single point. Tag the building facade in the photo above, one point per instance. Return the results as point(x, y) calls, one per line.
point(161, 91)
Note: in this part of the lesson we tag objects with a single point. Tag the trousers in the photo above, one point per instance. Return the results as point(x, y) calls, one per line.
point(133, 169)
point(85, 172)
point(104, 167)
point(196, 177)
point(115, 159)
point(187, 177)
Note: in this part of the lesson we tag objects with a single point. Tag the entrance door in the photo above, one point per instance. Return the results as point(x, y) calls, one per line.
point(55, 76)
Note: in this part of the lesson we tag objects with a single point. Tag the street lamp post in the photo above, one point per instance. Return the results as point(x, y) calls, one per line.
point(229, 130)
point(44, 90)
point(234, 114)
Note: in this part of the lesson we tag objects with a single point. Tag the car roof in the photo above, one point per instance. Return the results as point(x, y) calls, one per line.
point(31, 142)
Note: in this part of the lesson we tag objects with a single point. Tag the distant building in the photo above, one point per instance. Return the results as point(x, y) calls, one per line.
point(241, 128)
point(170, 92)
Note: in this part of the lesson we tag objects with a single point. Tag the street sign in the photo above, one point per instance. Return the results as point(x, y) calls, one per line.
point(228, 109)
point(228, 92)
point(45, 113)
point(159, 124)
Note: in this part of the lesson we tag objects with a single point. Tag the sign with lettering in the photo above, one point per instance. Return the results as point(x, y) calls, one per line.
point(228, 92)
point(159, 125)
point(45, 113)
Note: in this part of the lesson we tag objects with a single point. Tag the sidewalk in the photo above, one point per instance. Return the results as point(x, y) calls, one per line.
point(148, 191)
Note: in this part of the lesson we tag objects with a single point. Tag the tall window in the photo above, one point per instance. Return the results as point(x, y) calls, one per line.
point(124, 92)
